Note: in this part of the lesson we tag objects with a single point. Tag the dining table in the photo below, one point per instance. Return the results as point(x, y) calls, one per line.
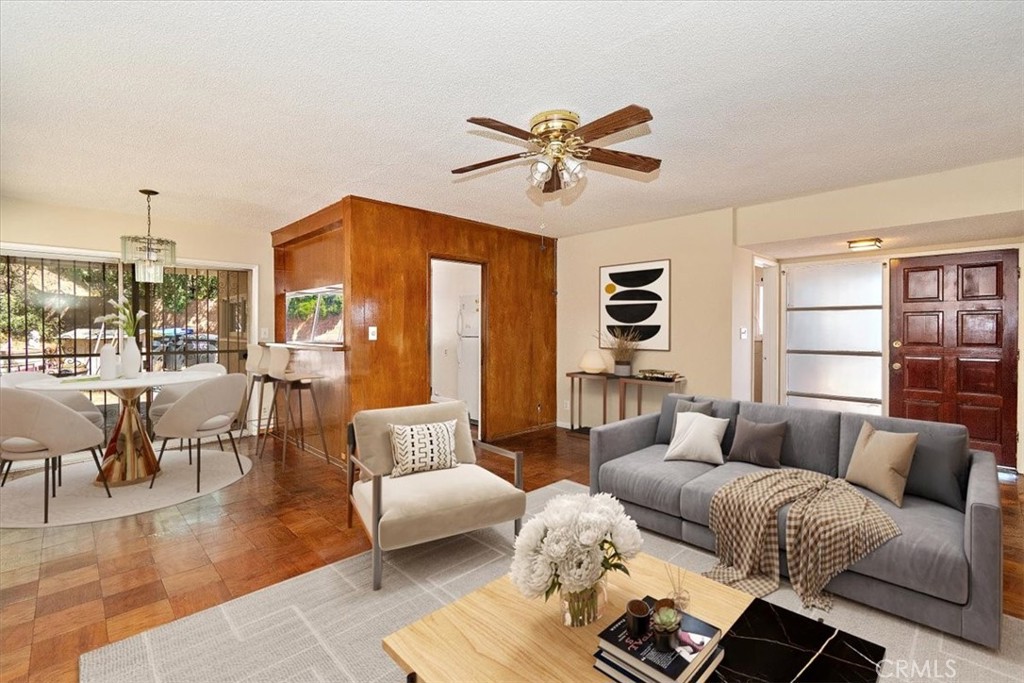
point(128, 457)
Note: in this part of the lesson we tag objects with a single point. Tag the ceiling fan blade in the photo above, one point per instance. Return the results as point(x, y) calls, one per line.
point(634, 162)
point(492, 162)
point(502, 128)
point(554, 183)
point(627, 117)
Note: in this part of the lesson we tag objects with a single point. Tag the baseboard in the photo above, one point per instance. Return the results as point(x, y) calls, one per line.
point(528, 430)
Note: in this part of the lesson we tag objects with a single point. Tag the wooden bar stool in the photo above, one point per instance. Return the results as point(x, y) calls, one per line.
point(257, 366)
point(281, 375)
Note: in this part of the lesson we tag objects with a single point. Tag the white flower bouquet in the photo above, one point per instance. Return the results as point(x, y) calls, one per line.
point(570, 546)
point(122, 317)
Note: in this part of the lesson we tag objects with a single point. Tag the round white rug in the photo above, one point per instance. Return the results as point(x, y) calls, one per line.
point(79, 500)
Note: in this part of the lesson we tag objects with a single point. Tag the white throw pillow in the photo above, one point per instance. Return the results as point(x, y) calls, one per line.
point(421, 448)
point(697, 437)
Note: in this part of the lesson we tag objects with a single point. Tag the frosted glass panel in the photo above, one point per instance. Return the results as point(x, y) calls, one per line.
point(856, 376)
point(828, 404)
point(834, 330)
point(846, 284)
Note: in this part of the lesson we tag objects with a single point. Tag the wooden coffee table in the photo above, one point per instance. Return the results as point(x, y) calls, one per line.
point(495, 634)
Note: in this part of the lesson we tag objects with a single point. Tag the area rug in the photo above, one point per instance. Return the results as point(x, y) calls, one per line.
point(327, 625)
point(79, 500)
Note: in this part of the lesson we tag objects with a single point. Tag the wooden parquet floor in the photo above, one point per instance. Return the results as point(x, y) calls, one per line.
point(68, 590)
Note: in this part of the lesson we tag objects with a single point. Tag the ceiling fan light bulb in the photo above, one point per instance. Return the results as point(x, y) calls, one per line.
point(540, 172)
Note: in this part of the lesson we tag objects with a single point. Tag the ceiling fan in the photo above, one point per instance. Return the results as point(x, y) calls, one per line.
point(563, 145)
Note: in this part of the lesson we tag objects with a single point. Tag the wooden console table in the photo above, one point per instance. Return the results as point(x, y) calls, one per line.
point(624, 382)
point(576, 399)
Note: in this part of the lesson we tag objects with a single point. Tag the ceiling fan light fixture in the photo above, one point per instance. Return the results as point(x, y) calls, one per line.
point(576, 168)
point(540, 171)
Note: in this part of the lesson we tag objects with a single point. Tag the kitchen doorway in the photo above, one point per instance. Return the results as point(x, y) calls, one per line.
point(456, 334)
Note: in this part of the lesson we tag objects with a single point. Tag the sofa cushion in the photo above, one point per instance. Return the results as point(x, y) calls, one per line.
point(684, 406)
point(727, 408)
point(928, 556)
point(669, 408)
point(426, 506)
point(645, 478)
point(881, 462)
point(695, 496)
point(812, 436)
point(697, 437)
point(938, 470)
point(373, 431)
point(758, 443)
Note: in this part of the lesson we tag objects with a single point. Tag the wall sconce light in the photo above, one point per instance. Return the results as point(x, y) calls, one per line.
point(865, 244)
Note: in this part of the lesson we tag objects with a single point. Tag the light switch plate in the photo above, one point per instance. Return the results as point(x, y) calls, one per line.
point(373, 332)
point(264, 334)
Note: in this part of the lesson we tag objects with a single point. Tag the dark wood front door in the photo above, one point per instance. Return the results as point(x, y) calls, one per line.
point(953, 335)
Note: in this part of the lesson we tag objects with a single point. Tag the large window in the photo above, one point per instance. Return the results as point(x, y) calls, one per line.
point(834, 336)
point(48, 308)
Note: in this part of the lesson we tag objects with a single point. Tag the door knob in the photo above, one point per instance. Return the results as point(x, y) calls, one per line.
point(896, 366)
point(897, 344)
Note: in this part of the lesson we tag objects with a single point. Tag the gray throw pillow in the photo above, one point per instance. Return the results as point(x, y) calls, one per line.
point(667, 419)
point(684, 406)
point(759, 443)
point(939, 465)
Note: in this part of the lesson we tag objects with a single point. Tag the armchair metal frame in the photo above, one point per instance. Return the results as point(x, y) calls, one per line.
point(376, 478)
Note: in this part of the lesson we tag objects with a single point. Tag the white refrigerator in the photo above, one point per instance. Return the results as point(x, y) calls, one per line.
point(469, 353)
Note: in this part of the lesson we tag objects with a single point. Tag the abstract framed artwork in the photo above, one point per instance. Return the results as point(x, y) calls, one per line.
point(635, 296)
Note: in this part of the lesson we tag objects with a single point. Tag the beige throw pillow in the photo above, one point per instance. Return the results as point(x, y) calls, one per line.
point(697, 437)
point(881, 462)
point(421, 448)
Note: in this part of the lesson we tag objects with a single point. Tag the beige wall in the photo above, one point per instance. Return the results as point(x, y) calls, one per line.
point(712, 273)
point(700, 249)
point(28, 223)
point(992, 188)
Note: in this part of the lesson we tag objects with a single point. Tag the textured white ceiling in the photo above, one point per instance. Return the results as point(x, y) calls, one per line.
point(256, 114)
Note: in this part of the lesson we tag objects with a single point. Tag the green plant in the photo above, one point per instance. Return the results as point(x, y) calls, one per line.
point(666, 619)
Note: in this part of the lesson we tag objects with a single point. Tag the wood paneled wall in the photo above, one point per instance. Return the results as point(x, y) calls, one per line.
point(384, 251)
point(309, 253)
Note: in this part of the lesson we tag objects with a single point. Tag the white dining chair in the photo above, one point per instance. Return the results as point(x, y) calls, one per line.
point(209, 409)
point(257, 367)
point(75, 400)
point(36, 427)
point(282, 374)
point(167, 396)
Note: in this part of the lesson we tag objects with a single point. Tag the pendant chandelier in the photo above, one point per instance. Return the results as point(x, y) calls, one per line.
point(149, 254)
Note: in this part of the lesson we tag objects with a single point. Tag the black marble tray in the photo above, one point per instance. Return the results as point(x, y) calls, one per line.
point(771, 643)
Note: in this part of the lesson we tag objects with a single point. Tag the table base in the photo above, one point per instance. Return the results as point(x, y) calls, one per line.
point(128, 457)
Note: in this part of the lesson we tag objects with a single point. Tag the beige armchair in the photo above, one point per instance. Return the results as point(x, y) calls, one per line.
point(398, 512)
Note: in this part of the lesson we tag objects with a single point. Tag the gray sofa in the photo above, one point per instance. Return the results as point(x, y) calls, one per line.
point(944, 570)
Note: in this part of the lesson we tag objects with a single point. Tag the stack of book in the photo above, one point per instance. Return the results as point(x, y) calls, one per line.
point(635, 660)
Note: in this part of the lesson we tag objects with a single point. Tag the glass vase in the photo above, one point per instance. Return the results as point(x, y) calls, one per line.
point(584, 607)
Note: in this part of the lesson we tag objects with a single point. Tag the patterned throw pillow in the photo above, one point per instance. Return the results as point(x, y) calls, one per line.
point(420, 448)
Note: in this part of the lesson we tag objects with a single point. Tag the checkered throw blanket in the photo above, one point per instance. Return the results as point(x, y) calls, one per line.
point(829, 527)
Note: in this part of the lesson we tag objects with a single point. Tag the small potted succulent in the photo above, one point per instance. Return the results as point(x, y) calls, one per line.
point(665, 622)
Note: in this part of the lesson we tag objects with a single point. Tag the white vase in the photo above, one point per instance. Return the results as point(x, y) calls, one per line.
point(131, 358)
point(108, 362)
